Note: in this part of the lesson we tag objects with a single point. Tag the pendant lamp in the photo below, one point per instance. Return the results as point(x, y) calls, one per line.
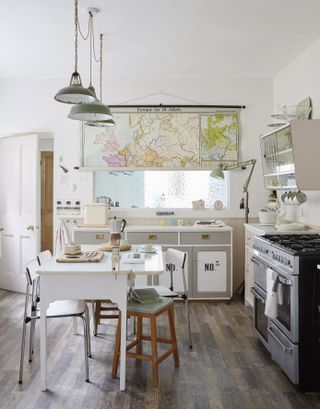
point(94, 111)
point(108, 122)
point(75, 93)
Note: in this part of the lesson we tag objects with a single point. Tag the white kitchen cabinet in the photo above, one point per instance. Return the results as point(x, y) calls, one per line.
point(208, 266)
point(277, 159)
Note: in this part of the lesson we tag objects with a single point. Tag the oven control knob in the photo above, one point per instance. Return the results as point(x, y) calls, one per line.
point(267, 251)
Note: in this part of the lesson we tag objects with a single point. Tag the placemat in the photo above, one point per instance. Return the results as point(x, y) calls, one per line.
point(84, 257)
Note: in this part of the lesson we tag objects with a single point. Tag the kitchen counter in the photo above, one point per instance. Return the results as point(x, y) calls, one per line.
point(158, 228)
point(262, 229)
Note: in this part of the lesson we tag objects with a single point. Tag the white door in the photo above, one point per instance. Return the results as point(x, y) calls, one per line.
point(19, 208)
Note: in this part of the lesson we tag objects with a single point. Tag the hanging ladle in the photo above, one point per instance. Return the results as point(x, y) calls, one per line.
point(301, 197)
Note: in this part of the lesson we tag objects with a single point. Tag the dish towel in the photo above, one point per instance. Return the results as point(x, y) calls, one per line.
point(271, 309)
point(61, 238)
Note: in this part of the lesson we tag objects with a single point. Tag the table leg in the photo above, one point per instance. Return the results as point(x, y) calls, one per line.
point(123, 351)
point(43, 345)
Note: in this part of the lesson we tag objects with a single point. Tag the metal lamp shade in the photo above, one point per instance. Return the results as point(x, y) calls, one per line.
point(218, 172)
point(108, 123)
point(75, 93)
point(90, 112)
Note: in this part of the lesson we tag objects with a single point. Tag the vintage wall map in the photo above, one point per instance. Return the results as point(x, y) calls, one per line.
point(163, 137)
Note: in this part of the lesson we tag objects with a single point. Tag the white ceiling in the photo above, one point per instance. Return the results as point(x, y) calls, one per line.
point(159, 38)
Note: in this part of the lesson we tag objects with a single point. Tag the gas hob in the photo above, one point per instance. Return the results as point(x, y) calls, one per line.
point(296, 244)
point(285, 250)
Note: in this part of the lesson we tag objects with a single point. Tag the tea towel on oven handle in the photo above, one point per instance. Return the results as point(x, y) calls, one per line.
point(271, 308)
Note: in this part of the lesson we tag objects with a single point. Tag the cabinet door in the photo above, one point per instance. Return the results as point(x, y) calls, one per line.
point(277, 155)
point(248, 296)
point(164, 279)
point(212, 272)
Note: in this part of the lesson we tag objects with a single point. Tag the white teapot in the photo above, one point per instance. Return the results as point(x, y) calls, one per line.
point(117, 225)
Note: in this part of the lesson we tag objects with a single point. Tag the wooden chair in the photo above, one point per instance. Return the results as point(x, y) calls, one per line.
point(151, 312)
point(57, 309)
point(103, 309)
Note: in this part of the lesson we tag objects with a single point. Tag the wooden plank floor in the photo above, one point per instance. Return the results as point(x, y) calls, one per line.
point(228, 367)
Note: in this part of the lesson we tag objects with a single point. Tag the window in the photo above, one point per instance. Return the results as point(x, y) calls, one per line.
point(159, 189)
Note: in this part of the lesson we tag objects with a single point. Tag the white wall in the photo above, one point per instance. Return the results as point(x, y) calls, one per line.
point(297, 81)
point(28, 106)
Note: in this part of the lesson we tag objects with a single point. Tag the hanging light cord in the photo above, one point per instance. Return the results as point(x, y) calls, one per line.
point(85, 37)
point(101, 62)
point(90, 35)
point(76, 35)
point(90, 41)
point(94, 51)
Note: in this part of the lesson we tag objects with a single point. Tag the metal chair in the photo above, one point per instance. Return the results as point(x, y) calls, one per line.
point(176, 259)
point(57, 309)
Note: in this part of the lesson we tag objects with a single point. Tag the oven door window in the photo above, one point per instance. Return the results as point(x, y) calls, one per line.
point(284, 306)
point(261, 320)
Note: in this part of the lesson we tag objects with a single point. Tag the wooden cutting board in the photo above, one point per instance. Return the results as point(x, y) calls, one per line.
point(84, 257)
point(108, 247)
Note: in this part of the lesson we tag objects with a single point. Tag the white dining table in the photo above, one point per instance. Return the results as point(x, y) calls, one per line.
point(90, 281)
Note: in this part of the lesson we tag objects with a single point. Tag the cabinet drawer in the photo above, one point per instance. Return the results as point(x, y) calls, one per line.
point(153, 237)
point(204, 238)
point(85, 237)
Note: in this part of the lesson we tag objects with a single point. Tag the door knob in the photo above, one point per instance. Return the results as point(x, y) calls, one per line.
point(32, 227)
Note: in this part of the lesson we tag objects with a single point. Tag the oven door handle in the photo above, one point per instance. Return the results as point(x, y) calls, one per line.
point(283, 347)
point(257, 295)
point(255, 261)
point(284, 281)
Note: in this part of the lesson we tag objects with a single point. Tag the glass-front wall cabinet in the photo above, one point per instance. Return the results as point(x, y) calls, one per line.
point(277, 159)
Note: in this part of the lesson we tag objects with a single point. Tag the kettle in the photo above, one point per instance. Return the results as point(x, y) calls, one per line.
point(117, 226)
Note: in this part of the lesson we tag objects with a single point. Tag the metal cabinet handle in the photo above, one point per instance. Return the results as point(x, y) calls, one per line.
point(205, 236)
point(257, 295)
point(283, 347)
point(152, 237)
point(99, 236)
point(255, 261)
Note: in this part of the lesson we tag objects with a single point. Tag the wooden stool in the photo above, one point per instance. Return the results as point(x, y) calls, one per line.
point(150, 311)
point(101, 307)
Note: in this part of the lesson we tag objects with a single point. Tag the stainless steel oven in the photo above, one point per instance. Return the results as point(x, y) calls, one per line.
point(288, 309)
point(293, 336)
